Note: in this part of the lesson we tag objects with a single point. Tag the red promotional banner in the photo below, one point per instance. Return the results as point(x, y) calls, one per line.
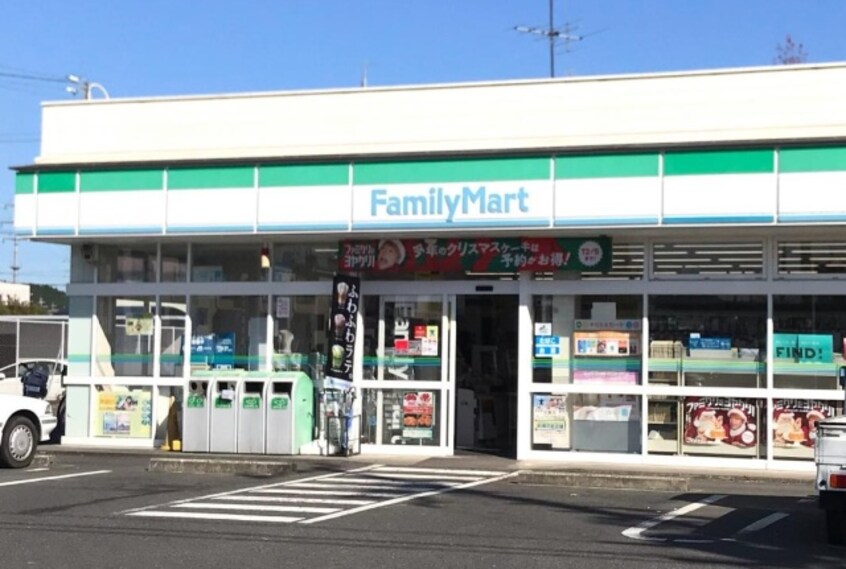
point(476, 255)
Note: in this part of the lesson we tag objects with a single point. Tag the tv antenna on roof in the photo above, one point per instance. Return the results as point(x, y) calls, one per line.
point(553, 34)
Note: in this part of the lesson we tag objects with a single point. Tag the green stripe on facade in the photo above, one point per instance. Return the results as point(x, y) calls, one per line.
point(304, 175)
point(121, 180)
point(610, 166)
point(446, 171)
point(56, 182)
point(24, 183)
point(210, 178)
point(832, 159)
point(759, 161)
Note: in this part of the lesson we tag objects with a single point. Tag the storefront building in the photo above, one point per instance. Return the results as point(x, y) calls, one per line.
point(639, 268)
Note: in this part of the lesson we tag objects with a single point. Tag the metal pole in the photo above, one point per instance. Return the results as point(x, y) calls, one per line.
point(551, 39)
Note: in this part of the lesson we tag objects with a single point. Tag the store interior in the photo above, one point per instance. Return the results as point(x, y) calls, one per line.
point(486, 374)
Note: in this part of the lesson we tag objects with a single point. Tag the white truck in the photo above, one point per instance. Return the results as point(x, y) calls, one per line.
point(24, 422)
point(830, 456)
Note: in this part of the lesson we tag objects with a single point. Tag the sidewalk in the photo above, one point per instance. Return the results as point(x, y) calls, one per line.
point(597, 475)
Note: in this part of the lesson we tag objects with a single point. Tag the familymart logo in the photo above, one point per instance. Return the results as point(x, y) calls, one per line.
point(440, 202)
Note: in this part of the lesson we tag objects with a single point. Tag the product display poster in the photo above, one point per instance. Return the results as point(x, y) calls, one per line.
point(418, 414)
point(608, 343)
point(550, 421)
point(506, 254)
point(346, 295)
point(283, 307)
point(127, 414)
point(720, 425)
point(794, 424)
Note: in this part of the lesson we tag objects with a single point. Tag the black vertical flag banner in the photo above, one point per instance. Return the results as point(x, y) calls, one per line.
point(346, 295)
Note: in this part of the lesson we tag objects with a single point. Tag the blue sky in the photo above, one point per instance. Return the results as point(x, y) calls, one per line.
point(162, 47)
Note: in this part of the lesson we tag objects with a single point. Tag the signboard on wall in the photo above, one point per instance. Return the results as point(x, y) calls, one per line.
point(550, 421)
point(125, 414)
point(804, 348)
point(540, 254)
point(346, 295)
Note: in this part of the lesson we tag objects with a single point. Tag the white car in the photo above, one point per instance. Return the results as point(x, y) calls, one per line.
point(24, 422)
point(10, 377)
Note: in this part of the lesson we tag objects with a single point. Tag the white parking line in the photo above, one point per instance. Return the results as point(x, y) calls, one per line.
point(292, 499)
point(407, 499)
point(298, 492)
point(213, 516)
point(764, 522)
point(475, 473)
point(636, 532)
point(49, 478)
point(31, 470)
point(339, 485)
point(258, 508)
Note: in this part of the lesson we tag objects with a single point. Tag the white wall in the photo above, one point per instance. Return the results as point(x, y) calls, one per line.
point(760, 104)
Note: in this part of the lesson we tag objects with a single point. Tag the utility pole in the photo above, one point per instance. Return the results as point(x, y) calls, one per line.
point(553, 35)
point(14, 239)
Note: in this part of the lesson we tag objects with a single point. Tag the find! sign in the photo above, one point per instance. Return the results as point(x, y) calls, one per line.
point(803, 348)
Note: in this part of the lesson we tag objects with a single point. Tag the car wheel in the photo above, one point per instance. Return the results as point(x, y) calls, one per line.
point(20, 440)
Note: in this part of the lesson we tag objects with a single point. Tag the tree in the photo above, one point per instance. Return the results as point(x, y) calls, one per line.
point(790, 52)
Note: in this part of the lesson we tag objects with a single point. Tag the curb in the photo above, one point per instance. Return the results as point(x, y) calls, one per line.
point(221, 466)
point(598, 480)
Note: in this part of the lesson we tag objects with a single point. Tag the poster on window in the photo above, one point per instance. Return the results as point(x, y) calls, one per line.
point(418, 414)
point(127, 414)
point(550, 421)
point(795, 425)
point(606, 343)
point(506, 254)
point(721, 424)
point(346, 296)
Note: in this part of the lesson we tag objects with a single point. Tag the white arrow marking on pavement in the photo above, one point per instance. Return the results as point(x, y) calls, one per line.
point(637, 531)
point(49, 478)
point(406, 499)
point(764, 522)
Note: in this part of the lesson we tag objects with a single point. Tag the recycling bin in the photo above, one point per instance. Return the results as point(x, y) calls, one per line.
point(289, 413)
point(251, 410)
point(223, 416)
point(195, 417)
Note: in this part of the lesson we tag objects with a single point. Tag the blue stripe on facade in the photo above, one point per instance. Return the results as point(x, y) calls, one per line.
point(805, 217)
point(516, 223)
point(210, 229)
point(55, 231)
point(23, 230)
point(606, 221)
point(340, 226)
point(141, 230)
point(718, 219)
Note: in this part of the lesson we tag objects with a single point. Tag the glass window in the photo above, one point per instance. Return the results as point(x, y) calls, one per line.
point(808, 341)
point(228, 332)
point(586, 422)
point(409, 345)
point(707, 426)
point(587, 339)
point(670, 260)
point(711, 341)
point(126, 264)
point(299, 333)
point(123, 412)
point(803, 258)
point(174, 263)
point(173, 313)
point(123, 336)
point(305, 261)
point(794, 425)
point(222, 262)
point(408, 417)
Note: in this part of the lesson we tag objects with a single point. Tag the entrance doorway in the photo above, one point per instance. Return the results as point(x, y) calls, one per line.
point(486, 373)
